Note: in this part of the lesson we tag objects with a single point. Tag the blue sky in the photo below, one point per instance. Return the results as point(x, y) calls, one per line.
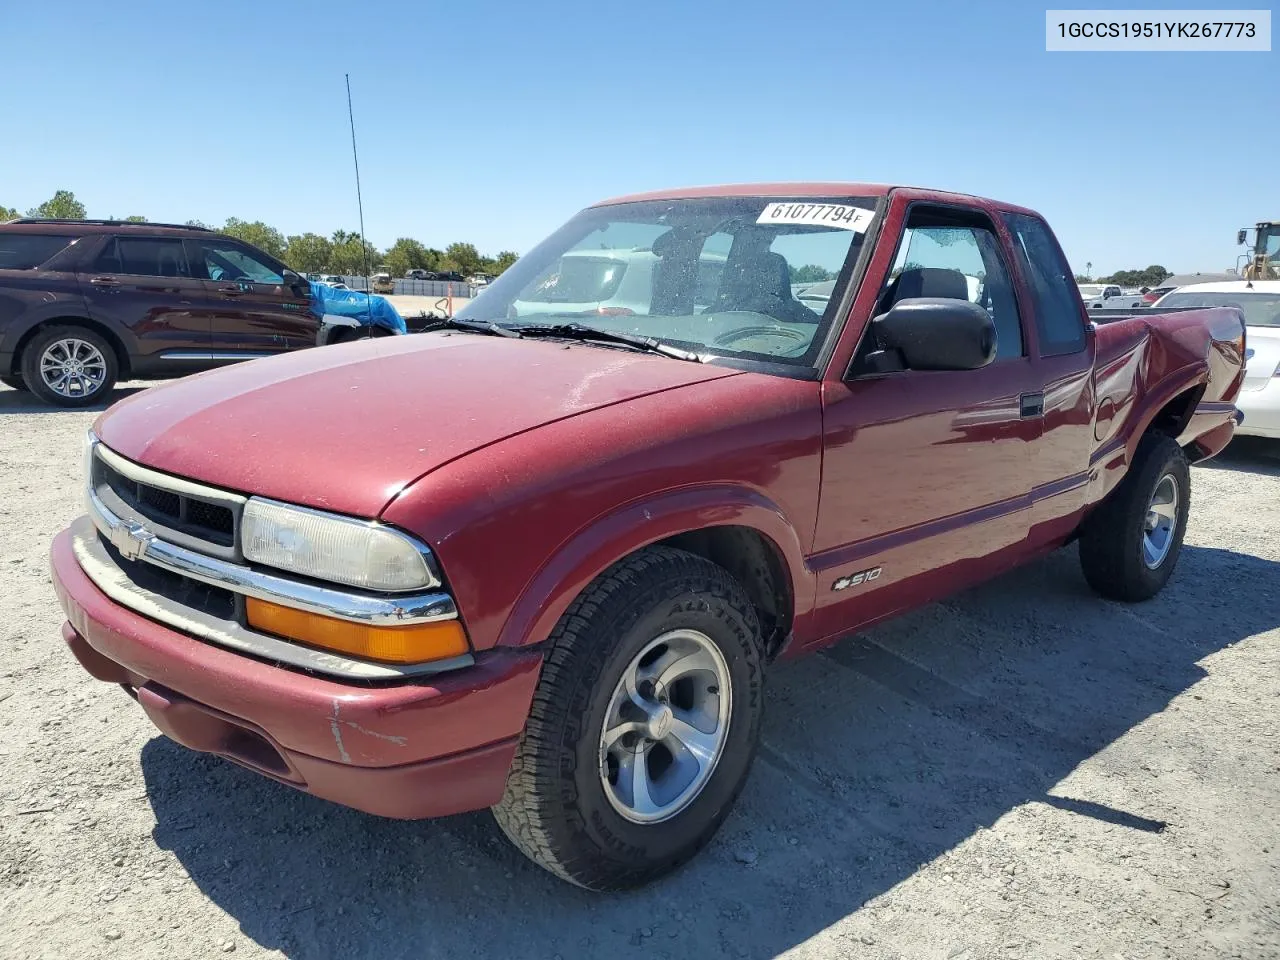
point(495, 122)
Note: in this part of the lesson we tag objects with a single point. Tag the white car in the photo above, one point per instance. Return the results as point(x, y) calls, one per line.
point(617, 282)
point(610, 282)
point(1259, 399)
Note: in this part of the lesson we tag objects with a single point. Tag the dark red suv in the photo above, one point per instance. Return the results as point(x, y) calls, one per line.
point(86, 302)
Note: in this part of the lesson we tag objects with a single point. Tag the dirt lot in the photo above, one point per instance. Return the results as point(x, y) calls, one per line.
point(1022, 771)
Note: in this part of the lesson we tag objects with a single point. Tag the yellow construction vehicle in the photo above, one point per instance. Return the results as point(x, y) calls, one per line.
point(1264, 260)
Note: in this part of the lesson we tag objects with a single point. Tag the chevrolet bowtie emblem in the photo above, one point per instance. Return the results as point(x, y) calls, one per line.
point(131, 540)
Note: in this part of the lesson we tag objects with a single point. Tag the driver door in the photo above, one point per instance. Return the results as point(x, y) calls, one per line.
point(255, 313)
point(926, 472)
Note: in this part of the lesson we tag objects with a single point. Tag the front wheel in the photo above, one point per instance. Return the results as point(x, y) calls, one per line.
point(644, 723)
point(1130, 545)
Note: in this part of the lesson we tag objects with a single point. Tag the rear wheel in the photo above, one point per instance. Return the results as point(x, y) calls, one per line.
point(1130, 546)
point(644, 723)
point(69, 366)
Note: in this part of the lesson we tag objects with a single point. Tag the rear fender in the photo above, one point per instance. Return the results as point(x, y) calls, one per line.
point(610, 538)
point(70, 311)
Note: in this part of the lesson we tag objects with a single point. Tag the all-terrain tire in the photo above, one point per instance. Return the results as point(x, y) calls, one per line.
point(1111, 544)
point(42, 341)
point(555, 808)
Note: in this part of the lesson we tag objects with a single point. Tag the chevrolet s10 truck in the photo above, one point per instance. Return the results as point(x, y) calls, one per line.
point(542, 561)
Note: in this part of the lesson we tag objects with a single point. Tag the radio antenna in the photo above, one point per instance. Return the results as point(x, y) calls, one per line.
point(355, 157)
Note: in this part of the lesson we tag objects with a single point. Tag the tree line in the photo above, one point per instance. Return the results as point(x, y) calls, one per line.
point(1152, 276)
point(341, 252)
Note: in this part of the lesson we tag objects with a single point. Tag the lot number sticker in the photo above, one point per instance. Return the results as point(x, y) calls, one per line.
point(837, 215)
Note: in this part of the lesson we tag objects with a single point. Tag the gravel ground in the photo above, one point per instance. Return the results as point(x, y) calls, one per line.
point(1024, 770)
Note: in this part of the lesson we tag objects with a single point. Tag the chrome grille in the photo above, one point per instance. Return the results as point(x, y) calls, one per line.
point(196, 519)
point(206, 598)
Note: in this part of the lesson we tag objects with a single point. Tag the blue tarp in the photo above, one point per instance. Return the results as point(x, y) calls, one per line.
point(367, 309)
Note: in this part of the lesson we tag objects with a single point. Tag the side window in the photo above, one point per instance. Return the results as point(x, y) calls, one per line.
point(232, 263)
point(144, 257)
point(26, 251)
point(961, 263)
point(1053, 288)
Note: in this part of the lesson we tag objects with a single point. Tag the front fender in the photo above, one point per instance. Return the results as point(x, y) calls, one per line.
point(608, 539)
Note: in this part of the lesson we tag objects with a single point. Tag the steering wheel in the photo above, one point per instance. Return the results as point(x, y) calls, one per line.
point(744, 333)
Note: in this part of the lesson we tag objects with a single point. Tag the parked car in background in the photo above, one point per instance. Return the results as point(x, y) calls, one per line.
point(584, 281)
point(333, 280)
point(1134, 301)
point(1090, 292)
point(544, 564)
point(382, 283)
point(1259, 398)
point(418, 274)
point(84, 303)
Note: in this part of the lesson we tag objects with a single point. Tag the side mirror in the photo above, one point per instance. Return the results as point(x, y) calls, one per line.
point(294, 280)
point(1241, 236)
point(933, 333)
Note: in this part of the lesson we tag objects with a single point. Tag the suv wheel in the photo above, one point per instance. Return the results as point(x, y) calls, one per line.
point(69, 366)
point(644, 723)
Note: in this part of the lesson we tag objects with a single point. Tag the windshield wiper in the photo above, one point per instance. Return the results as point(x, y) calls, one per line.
point(579, 331)
point(470, 326)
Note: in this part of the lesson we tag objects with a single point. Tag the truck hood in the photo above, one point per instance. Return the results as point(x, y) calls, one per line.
point(347, 427)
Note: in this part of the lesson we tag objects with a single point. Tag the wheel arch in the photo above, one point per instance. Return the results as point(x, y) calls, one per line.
point(740, 530)
point(85, 323)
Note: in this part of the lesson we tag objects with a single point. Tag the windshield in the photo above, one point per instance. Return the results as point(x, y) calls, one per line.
point(743, 277)
point(1271, 242)
point(1088, 290)
point(1260, 309)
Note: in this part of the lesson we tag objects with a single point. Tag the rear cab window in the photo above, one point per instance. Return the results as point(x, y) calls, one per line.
point(1059, 321)
point(26, 251)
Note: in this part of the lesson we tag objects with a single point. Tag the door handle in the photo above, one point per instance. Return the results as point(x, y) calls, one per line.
point(1031, 405)
point(231, 291)
point(105, 282)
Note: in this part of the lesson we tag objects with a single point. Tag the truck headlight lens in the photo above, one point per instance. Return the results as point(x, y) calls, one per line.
point(330, 547)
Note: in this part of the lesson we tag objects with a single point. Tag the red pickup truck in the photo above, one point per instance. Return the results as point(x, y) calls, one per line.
point(541, 557)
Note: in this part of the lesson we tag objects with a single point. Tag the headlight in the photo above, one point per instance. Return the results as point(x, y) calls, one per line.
point(330, 547)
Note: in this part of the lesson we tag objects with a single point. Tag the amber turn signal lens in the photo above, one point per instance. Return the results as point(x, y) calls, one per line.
point(411, 643)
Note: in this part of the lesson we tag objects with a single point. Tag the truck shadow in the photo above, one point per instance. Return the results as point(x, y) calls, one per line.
point(878, 756)
point(1249, 455)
